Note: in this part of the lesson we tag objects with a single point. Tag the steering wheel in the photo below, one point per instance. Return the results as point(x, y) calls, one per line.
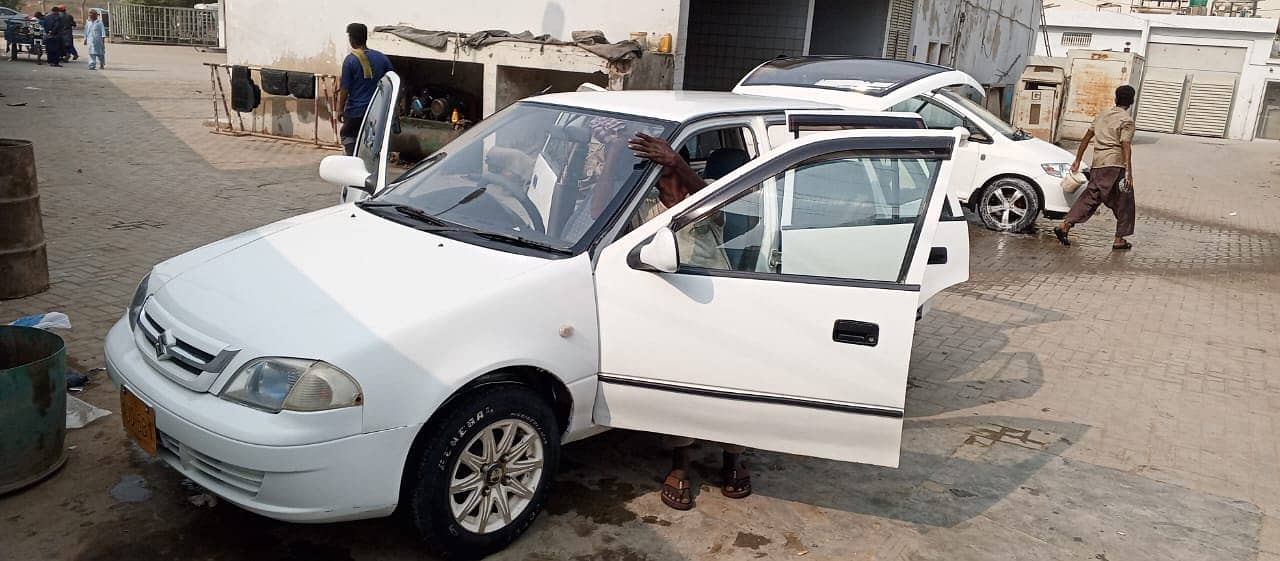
point(519, 192)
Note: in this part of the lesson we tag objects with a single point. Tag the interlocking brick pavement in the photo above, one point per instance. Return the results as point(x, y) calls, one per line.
point(1066, 403)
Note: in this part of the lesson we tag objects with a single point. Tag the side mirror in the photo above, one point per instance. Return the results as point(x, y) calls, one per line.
point(658, 254)
point(347, 171)
point(965, 135)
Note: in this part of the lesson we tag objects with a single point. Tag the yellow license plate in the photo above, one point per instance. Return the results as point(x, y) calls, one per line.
point(139, 421)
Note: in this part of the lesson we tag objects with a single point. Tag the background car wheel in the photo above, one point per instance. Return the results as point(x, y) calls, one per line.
point(1009, 204)
point(485, 472)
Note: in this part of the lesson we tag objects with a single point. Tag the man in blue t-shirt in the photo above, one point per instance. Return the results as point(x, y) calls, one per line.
point(360, 74)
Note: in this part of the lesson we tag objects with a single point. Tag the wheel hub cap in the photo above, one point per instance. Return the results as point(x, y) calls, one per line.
point(496, 475)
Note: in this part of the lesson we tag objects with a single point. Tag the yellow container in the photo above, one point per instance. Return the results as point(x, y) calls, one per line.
point(664, 43)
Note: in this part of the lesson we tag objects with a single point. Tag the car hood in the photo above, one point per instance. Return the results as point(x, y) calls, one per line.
point(1038, 152)
point(332, 280)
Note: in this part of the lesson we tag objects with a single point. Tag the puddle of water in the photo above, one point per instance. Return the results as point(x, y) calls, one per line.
point(132, 488)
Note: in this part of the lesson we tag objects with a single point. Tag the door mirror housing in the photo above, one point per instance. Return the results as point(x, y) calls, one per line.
point(965, 135)
point(657, 254)
point(347, 171)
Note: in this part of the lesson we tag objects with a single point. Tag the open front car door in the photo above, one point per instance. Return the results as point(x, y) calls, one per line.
point(374, 138)
point(775, 308)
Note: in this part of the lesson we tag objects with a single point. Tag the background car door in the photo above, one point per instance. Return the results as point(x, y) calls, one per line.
point(375, 135)
point(801, 346)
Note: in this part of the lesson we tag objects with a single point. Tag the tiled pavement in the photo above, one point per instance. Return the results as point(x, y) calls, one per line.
point(1065, 403)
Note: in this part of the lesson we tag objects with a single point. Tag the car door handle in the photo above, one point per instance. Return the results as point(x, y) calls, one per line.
point(855, 332)
point(938, 256)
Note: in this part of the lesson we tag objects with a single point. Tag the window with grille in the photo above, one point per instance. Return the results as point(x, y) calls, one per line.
point(1076, 39)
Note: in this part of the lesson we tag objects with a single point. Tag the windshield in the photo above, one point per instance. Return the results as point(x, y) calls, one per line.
point(987, 117)
point(547, 175)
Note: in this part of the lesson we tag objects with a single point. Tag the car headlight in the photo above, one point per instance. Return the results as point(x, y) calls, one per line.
point(139, 298)
point(1056, 170)
point(273, 384)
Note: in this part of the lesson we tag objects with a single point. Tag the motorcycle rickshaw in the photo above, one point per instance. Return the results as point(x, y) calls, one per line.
point(24, 35)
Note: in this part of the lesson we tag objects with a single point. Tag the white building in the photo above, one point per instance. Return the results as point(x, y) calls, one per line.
point(715, 42)
point(1192, 62)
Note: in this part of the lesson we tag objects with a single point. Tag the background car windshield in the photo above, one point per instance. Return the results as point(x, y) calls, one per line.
point(541, 172)
point(982, 113)
point(867, 76)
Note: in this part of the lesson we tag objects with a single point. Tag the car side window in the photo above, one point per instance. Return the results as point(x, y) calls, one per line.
point(938, 117)
point(847, 216)
point(712, 153)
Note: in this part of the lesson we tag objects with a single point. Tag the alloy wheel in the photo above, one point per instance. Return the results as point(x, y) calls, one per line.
point(1006, 205)
point(494, 479)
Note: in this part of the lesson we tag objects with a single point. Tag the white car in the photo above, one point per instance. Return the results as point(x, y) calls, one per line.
point(1005, 175)
point(433, 346)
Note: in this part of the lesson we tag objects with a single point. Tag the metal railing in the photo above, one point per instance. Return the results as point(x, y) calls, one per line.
point(135, 23)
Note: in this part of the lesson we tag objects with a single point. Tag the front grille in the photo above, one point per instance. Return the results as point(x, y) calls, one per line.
point(182, 354)
point(240, 479)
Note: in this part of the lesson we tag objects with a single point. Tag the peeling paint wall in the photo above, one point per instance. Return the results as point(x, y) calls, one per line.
point(310, 35)
point(989, 39)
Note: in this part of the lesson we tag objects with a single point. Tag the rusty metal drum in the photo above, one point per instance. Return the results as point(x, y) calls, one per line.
point(33, 406)
point(24, 264)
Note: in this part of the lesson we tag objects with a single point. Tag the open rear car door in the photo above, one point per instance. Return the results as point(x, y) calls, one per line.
point(948, 263)
point(798, 340)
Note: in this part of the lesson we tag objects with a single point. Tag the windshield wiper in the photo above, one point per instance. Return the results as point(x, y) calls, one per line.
point(520, 241)
point(407, 210)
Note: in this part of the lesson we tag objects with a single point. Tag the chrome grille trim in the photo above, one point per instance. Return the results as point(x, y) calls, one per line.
point(188, 355)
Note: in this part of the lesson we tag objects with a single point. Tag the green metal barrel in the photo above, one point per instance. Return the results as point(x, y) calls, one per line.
point(33, 406)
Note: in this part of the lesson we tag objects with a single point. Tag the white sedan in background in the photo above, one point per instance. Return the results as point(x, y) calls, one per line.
point(1005, 175)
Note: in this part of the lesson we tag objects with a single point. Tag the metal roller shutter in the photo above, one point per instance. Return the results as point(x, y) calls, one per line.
point(1160, 101)
point(1209, 105)
point(897, 44)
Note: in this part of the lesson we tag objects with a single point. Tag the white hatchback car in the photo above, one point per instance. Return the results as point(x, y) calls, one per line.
point(1005, 175)
point(433, 346)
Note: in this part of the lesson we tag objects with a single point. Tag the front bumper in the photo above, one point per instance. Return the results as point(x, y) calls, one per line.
point(1055, 201)
point(341, 479)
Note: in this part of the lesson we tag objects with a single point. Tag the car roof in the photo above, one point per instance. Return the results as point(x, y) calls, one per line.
point(678, 106)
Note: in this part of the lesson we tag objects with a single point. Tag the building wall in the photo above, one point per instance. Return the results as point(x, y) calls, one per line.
point(1101, 40)
point(727, 38)
point(989, 39)
point(846, 28)
point(273, 33)
point(1256, 35)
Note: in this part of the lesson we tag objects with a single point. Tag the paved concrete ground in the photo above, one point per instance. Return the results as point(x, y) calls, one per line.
point(1065, 403)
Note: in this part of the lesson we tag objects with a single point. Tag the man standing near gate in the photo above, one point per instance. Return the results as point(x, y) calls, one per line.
point(1111, 180)
point(360, 74)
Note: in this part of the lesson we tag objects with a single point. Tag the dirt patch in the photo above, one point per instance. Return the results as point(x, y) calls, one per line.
point(751, 541)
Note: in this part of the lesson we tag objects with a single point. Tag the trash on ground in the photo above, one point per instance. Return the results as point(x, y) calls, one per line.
point(132, 488)
point(80, 413)
point(205, 499)
point(1232, 213)
point(46, 321)
point(22, 104)
point(75, 380)
point(199, 495)
point(31, 88)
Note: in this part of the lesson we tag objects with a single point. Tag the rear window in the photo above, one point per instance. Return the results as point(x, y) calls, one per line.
point(869, 76)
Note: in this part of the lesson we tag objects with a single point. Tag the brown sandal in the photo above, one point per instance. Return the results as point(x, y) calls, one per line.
point(676, 491)
point(737, 483)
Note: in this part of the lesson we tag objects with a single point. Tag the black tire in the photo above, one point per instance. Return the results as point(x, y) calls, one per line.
point(1021, 196)
point(428, 494)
